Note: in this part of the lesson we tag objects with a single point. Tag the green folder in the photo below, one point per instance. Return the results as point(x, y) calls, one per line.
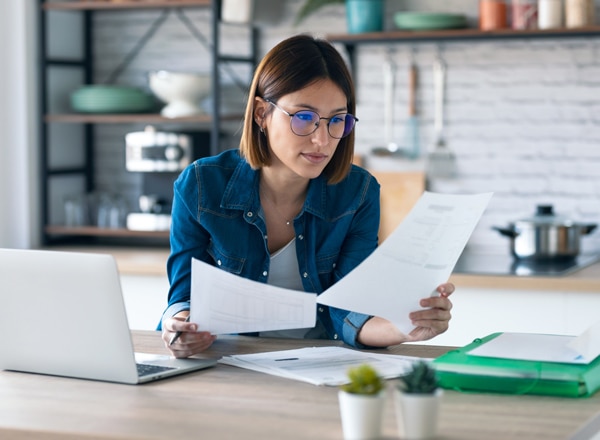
point(460, 371)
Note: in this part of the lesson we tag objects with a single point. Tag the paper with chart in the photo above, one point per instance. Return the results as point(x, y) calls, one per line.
point(223, 303)
point(417, 257)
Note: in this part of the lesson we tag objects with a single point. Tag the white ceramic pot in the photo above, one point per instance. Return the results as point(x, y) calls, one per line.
point(361, 415)
point(417, 414)
point(181, 91)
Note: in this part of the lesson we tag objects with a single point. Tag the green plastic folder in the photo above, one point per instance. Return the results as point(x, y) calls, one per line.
point(460, 371)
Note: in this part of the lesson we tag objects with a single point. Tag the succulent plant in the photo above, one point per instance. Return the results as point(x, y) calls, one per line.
point(420, 380)
point(363, 380)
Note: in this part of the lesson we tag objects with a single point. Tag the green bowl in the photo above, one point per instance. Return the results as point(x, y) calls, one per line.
point(429, 21)
point(111, 99)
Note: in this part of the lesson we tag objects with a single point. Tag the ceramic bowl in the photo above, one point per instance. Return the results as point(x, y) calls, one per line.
point(182, 92)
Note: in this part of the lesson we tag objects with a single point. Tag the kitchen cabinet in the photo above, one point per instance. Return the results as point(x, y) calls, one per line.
point(58, 74)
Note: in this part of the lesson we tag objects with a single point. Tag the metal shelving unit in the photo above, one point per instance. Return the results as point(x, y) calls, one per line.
point(54, 233)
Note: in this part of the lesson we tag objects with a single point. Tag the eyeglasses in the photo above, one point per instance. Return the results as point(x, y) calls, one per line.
point(306, 122)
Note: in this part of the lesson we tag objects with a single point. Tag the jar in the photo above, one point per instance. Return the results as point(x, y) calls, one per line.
point(550, 14)
point(524, 14)
point(579, 13)
point(492, 14)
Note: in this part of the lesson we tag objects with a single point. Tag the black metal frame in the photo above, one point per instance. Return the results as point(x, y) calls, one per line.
point(86, 63)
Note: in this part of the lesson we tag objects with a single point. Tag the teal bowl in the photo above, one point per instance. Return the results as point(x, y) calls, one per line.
point(429, 21)
point(111, 99)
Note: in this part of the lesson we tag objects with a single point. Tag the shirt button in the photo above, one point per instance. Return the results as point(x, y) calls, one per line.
point(334, 265)
point(335, 336)
point(300, 237)
point(265, 273)
point(219, 262)
point(305, 275)
point(249, 214)
point(321, 309)
point(265, 236)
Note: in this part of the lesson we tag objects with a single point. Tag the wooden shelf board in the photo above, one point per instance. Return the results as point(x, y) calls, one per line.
point(131, 118)
point(460, 34)
point(123, 4)
point(103, 232)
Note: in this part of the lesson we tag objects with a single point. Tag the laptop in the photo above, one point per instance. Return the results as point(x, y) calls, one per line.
point(63, 314)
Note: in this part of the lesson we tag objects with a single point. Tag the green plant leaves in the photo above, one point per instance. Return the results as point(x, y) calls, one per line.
point(311, 6)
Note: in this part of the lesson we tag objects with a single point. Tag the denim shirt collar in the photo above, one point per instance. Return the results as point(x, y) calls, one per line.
point(242, 191)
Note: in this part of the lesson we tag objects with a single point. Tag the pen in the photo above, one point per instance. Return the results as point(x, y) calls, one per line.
point(178, 334)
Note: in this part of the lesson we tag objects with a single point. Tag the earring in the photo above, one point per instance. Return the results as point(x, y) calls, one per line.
point(262, 130)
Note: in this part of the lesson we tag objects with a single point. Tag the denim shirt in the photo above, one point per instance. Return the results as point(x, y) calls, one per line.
point(217, 218)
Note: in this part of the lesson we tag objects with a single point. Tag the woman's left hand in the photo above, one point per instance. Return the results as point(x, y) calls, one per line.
point(435, 318)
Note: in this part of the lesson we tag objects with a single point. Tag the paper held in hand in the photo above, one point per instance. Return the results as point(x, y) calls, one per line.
point(408, 266)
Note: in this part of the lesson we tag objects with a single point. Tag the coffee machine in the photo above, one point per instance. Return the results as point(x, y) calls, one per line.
point(160, 157)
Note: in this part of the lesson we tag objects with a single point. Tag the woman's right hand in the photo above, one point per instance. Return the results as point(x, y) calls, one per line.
point(190, 342)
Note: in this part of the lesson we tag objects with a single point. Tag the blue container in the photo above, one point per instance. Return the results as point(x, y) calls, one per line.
point(364, 16)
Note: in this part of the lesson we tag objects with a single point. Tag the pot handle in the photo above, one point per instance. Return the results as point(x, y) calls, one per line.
point(506, 232)
point(586, 229)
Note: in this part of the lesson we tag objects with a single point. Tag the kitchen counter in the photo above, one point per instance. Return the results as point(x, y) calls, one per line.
point(152, 261)
point(130, 261)
point(584, 280)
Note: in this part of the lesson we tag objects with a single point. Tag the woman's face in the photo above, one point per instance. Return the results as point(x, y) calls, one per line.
point(303, 156)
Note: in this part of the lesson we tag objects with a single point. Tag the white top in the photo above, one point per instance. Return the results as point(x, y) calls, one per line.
point(284, 272)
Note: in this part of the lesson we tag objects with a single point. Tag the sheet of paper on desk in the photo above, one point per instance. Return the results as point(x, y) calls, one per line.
point(320, 365)
point(222, 303)
point(537, 347)
point(417, 257)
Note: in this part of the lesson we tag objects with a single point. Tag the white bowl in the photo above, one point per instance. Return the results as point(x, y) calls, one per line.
point(183, 92)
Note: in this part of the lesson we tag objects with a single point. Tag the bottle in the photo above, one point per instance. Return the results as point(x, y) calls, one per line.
point(550, 14)
point(492, 14)
point(524, 14)
point(579, 13)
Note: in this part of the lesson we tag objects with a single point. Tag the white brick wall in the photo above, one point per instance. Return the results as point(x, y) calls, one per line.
point(523, 116)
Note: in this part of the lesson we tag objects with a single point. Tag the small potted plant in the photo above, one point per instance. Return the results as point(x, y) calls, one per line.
point(418, 398)
point(361, 403)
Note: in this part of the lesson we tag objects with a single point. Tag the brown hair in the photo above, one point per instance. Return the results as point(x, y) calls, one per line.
point(291, 65)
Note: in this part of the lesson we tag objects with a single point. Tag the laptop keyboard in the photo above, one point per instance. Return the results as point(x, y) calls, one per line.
point(147, 369)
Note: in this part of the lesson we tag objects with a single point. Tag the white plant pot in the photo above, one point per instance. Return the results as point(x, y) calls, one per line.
point(417, 414)
point(361, 415)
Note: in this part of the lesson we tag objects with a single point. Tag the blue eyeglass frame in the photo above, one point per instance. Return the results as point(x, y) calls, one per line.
point(291, 115)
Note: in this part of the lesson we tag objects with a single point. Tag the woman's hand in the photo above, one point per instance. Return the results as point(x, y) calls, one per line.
point(430, 322)
point(190, 342)
point(435, 318)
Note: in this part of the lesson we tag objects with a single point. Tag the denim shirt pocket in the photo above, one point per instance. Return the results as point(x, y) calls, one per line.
point(228, 263)
point(326, 264)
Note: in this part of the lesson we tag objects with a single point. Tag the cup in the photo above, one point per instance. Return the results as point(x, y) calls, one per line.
point(75, 207)
point(364, 16)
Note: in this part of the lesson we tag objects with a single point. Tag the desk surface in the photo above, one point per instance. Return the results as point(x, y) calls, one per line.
point(231, 403)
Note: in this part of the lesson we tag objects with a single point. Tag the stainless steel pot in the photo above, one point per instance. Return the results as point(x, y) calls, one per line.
point(545, 236)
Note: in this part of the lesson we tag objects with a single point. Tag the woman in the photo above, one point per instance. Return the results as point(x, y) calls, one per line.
point(288, 208)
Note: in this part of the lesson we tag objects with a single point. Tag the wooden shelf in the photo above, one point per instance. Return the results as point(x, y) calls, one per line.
point(93, 231)
point(123, 4)
point(400, 36)
point(81, 118)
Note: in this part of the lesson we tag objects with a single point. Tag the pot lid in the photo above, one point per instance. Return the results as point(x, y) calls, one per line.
point(545, 216)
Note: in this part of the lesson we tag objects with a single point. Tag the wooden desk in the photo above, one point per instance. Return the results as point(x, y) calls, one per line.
point(231, 403)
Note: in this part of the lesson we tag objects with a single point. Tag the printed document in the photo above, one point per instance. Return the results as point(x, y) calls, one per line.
point(321, 365)
point(408, 266)
point(416, 258)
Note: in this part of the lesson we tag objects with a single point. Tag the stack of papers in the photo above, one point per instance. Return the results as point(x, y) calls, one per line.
point(321, 365)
